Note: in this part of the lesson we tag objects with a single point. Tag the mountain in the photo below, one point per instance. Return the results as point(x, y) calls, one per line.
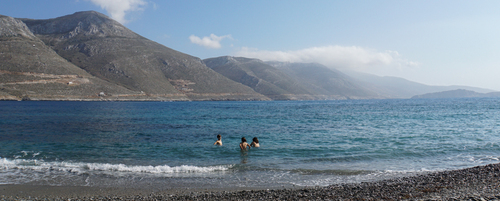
point(401, 88)
point(290, 81)
point(31, 70)
point(261, 77)
point(88, 56)
point(105, 49)
point(459, 93)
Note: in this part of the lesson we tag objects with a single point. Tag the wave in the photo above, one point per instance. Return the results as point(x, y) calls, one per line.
point(80, 167)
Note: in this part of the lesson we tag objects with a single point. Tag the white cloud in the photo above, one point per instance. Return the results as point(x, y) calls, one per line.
point(211, 41)
point(118, 8)
point(352, 57)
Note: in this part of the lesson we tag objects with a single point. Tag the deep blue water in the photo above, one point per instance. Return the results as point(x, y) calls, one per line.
point(303, 143)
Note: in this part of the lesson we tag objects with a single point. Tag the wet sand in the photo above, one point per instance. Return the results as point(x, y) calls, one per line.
point(477, 183)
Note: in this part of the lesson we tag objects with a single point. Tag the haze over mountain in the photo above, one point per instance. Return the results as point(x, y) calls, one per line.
point(396, 87)
point(290, 81)
point(88, 56)
point(326, 81)
point(459, 93)
point(260, 76)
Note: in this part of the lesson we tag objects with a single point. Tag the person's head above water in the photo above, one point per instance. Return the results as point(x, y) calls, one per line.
point(244, 144)
point(219, 141)
point(255, 140)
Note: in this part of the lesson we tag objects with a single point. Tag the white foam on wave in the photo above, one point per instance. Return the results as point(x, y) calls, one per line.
point(153, 169)
point(79, 167)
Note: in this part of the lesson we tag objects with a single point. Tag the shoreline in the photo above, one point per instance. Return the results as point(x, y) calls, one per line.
point(476, 183)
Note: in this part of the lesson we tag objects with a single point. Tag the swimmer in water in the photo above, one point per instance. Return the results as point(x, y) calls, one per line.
point(219, 141)
point(244, 144)
point(255, 142)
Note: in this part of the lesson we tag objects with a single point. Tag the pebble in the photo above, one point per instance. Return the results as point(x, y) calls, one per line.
point(476, 184)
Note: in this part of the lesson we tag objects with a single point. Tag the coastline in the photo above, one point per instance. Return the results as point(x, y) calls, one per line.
point(476, 183)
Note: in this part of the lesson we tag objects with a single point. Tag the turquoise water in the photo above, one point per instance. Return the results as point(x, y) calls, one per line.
point(303, 143)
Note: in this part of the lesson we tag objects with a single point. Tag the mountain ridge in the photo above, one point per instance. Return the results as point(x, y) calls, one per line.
point(109, 51)
point(89, 56)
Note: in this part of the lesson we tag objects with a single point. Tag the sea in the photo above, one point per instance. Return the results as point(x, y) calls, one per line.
point(170, 145)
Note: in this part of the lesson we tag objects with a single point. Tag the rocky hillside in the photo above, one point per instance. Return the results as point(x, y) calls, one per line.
point(31, 70)
point(99, 47)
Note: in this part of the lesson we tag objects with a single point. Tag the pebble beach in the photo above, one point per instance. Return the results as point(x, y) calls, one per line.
point(476, 183)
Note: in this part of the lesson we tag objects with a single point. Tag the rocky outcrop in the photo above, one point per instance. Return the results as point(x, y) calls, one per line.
point(10, 28)
point(80, 24)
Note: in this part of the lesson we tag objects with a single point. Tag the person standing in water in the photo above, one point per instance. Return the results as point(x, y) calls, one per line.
point(244, 144)
point(255, 142)
point(219, 141)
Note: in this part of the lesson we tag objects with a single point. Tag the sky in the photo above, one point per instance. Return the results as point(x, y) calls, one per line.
point(444, 42)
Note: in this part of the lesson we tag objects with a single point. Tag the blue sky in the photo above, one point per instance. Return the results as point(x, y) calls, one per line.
point(445, 42)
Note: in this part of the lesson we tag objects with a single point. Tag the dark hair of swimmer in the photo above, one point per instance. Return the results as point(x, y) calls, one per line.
point(243, 139)
point(256, 140)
